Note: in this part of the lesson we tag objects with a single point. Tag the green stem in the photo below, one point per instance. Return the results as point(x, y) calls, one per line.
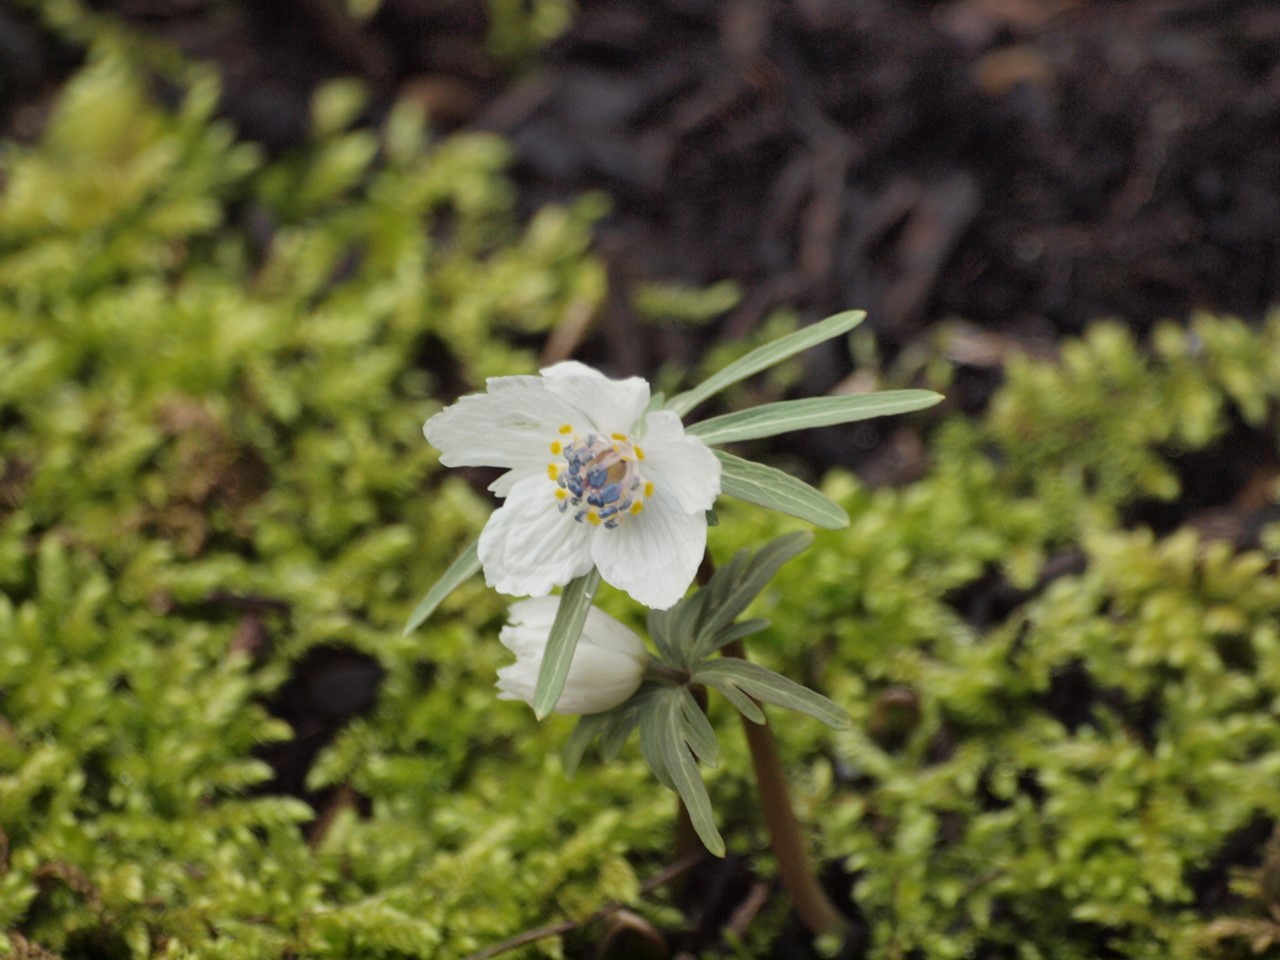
point(657, 670)
point(812, 904)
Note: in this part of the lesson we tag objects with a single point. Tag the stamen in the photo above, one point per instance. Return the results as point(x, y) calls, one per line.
point(599, 477)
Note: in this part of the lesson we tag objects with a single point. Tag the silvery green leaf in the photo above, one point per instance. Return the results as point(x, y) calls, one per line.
point(665, 738)
point(664, 631)
point(616, 733)
point(767, 487)
point(464, 568)
point(768, 687)
point(589, 725)
point(737, 631)
point(771, 419)
point(762, 358)
point(744, 586)
point(697, 729)
point(653, 716)
point(744, 704)
point(683, 771)
point(575, 603)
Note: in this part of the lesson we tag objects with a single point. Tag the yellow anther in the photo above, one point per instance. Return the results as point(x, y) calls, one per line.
point(566, 429)
point(553, 471)
point(618, 436)
point(648, 488)
point(561, 493)
point(637, 506)
point(593, 518)
point(639, 453)
point(557, 447)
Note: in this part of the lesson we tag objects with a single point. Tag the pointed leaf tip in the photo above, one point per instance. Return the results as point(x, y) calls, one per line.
point(466, 566)
point(766, 356)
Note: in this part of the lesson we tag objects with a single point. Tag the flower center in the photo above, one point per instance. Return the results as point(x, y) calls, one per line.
point(598, 477)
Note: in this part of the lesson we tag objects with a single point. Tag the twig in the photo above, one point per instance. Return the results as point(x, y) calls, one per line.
point(676, 868)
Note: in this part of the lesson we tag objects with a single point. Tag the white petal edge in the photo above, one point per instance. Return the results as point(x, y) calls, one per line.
point(512, 426)
point(611, 406)
point(528, 546)
point(653, 556)
point(536, 613)
point(680, 464)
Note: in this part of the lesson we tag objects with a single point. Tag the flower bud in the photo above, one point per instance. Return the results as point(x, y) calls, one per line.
point(608, 663)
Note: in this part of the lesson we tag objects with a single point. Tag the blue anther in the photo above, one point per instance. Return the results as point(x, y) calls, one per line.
point(611, 493)
point(597, 476)
point(575, 486)
point(608, 512)
point(594, 500)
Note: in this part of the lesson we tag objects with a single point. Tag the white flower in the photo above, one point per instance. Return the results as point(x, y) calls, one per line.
point(608, 663)
point(592, 480)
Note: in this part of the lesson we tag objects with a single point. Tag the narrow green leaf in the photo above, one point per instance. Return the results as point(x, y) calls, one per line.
point(715, 640)
point(666, 631)
point(653, 718)
point(769, 487)
point(771, 419)
point(619, 729)
point(589, 725)
point(761, 569)
point(768, 687)
point(683, 772)
point(697, 729)
point(762, 358)
point(574, 606)
point(464, 568)
point(744, 704)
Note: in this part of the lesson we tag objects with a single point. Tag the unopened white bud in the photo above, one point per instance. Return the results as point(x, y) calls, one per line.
point(608, 663)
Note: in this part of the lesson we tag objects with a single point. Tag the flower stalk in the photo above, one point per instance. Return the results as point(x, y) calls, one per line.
point(814, 907)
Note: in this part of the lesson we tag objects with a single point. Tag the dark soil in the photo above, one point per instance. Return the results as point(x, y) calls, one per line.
point(1024, 165)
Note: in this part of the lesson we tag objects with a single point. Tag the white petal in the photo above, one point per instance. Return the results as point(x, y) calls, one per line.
point(602, 630)
point(517, 681)
point(528, 546)
point(682, 465)
point(503, 485)
point(536, 613)
point(511, 426)
point(654, 555)
point(613, 406)
point(598, 680)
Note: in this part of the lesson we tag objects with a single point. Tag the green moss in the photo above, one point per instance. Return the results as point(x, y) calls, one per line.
point(211, 463)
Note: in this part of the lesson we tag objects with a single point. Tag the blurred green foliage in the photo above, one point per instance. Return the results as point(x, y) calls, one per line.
point(213, 372)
